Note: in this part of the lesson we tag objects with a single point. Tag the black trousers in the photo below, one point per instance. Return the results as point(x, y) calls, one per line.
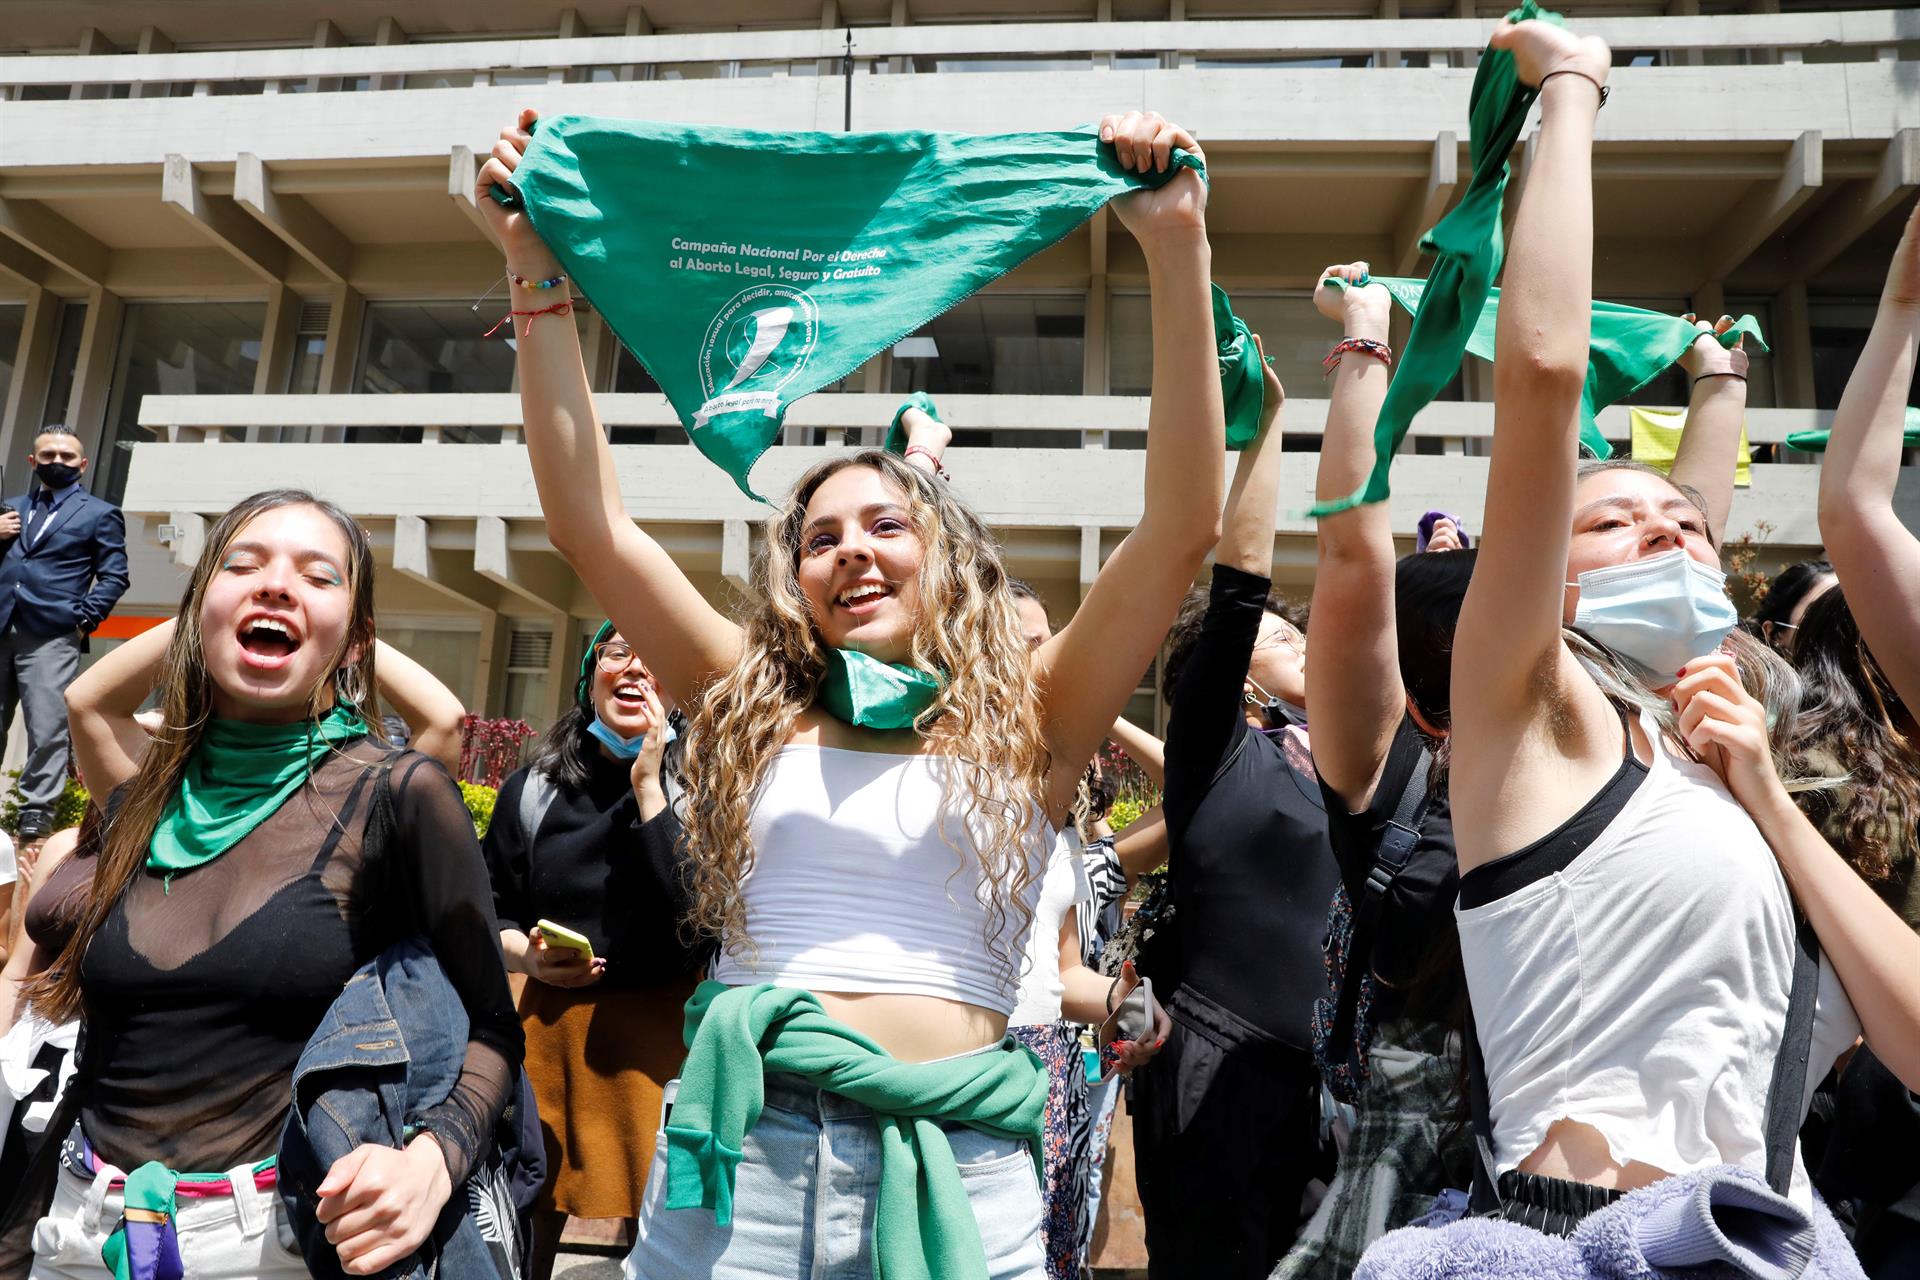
point(1226, 1138)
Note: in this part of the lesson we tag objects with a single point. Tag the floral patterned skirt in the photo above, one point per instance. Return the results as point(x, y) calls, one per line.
point(1066, 1158)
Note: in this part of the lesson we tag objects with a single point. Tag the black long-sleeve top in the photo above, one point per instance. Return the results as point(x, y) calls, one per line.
point(597, 868)
point(201, 989)
point(1252, 872)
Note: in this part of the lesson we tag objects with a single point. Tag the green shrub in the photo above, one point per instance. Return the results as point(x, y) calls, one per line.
point(1126, 812)
point(67, 811)
point(479, 805)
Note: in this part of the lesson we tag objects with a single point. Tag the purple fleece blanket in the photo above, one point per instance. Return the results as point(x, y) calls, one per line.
point(1716, 1224)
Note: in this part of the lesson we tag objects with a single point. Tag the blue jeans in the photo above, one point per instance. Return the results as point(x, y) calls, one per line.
point(804, 1196)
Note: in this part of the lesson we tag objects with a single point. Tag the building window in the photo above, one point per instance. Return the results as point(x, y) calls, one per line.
point(180, 349)
point(429, 347)
point(1762, 392)
point(529, 653)
point(66, 363)
point(1838, 330)
point(1296, 336)
point(12, 320)
point(998, 344)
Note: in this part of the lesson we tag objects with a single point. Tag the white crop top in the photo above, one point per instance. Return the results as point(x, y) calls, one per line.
point(1643, 989)
point(1064, 887)
point(854, 887)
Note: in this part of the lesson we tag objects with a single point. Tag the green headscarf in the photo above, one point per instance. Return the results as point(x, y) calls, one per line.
point(238, 775)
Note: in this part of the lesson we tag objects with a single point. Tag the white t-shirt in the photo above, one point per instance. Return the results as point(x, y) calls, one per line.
point(9, 866)
point(1041, 987)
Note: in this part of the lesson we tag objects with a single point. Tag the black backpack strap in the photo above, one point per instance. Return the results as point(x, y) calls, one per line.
point(1484, 1197)
point(1396, 847)
point(1789, 1086)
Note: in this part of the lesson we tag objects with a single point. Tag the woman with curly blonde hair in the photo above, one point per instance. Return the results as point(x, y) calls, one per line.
point(873, 764)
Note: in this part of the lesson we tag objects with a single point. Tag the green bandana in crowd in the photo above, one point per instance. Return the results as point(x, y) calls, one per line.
point(745, 269)
point(1243, 384)
point(897, 433)
point(1816, 441)
point(923, 1223)
point(1629, 348)
point(239, 774)
point(1467, 250)
point(144, 1244)
point(871, 694)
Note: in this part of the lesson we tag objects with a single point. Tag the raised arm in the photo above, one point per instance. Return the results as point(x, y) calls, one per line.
point(1709, 451)
point(1875, 556)
point(1246, 526)
point(101, 704)
point(1142, 748)
point(432, 713)
point(1358, 701)
point(1091, 667)
point(1510, 622)
point(652, 603)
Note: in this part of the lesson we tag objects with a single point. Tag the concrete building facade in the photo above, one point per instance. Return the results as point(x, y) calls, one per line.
point(238, 249)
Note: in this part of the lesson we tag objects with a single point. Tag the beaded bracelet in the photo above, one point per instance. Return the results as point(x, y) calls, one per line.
point(1366, 346)
point(931, 456)
point(1605, 91)
point(525, 283)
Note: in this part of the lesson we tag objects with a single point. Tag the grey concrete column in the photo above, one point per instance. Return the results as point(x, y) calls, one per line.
point(26, 395)
point(93, 372)
point(1793, 346)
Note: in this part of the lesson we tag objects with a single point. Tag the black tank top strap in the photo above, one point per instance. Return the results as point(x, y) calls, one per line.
point(1557, 850)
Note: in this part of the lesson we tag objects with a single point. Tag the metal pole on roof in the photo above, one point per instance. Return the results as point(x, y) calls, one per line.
point(846, 70)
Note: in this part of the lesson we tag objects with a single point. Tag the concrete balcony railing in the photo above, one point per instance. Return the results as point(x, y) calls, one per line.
point(1078, 421)
point(1779, 37)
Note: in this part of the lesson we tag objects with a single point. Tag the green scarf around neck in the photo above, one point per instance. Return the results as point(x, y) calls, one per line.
point(745, 269)
point(923, 1223)
point(238, 775)
point(871, 694)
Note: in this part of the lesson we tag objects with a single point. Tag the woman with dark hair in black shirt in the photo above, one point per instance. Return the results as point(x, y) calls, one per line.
point(584, 838)
point(1227, 1117)
point(255, 857)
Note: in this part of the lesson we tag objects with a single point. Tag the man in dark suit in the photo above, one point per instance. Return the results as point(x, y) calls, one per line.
point(64, 566)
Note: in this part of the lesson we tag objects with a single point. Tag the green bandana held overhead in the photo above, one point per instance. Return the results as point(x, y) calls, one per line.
point(1816, 441)
point(239, 774)
point(738, 302)
point(1467, 249)
point(1629, 348)
point(871, 694)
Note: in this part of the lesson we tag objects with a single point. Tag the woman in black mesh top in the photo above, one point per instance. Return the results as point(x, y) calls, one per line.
point(231, 911)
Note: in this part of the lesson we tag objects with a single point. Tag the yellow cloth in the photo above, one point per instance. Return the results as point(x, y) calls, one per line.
point(1656, 438)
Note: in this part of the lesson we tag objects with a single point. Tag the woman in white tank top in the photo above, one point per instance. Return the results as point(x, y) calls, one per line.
point(1625, 841)
point(871, 877)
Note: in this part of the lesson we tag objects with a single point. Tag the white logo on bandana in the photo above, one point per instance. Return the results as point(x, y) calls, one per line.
point(757, 343)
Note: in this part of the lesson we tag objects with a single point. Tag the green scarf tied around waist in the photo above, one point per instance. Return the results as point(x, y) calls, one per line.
point(871, 694)
point(238, 775)
point(1816, 441)
point(1467, 249)
point(144, 1244)
point(745, 269)
point(923, 1227)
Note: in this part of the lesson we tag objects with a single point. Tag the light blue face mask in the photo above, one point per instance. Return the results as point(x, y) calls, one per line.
point(623, 748)
point(1661, 612)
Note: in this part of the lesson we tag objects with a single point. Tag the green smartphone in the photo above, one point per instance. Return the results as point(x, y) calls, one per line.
point(558, 935)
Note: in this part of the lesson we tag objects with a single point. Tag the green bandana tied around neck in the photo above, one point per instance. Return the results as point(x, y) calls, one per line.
point(746, 269)
point(1816, 441)
point(1467, 249)
point(871, 694)
point(239, 774)
point(923, 1223)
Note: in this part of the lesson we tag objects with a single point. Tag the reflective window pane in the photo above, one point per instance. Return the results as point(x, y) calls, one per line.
point(12, 319)
point(1296, 336)
point(180, 349)
point(430, 347)
point(998, 344)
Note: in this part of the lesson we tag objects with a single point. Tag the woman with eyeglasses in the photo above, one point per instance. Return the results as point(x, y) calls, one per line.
point(584, 838)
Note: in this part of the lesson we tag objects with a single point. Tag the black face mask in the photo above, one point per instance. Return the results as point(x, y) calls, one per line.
point(56, 475)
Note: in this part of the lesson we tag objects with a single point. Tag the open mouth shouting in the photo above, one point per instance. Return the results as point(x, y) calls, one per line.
point(862, 598)
point(268, 641)
point(630, 694)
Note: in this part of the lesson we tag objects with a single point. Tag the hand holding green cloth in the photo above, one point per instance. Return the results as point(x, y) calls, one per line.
point(923, 1227)
point(238, 775)
point(871, 694)
point(1467, 249)
point(896, 433)
point(1816, 441)
point(1629, 347)
point(1243, 383)
point(746, 269)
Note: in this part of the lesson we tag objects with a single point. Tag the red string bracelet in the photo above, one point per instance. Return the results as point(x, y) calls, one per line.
point(1366, 346)
point(931, 456)
point(557, 309)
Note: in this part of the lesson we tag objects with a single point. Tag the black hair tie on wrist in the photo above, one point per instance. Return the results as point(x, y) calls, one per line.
point(1605, 90)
